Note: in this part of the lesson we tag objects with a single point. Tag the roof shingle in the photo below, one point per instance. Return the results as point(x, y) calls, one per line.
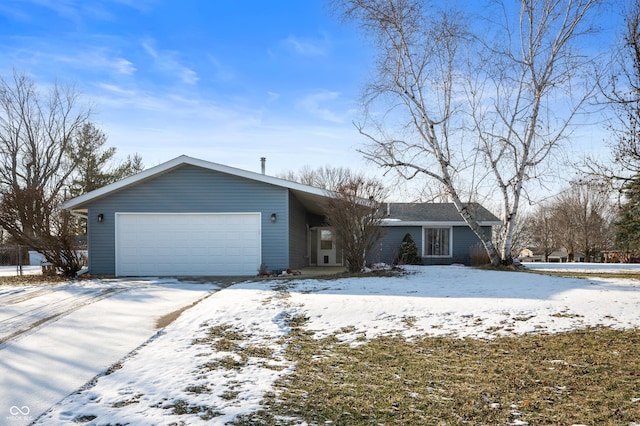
point(436, 212)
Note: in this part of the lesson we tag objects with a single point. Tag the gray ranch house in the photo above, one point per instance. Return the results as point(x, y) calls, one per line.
point(189, 217)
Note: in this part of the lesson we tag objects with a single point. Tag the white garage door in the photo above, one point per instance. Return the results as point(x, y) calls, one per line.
point(159, 244)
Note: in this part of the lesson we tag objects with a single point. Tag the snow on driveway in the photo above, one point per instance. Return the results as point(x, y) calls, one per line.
point(58, 337)
point(177, 380)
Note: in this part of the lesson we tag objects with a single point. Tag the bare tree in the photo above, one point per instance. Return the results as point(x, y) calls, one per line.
point(472, 112)
point(327, 177)
point(622, 96)
point(579, 219)
point(36, 134)
point(352, 209)
point(594, 219)
point(542, 230)
point(354, 212)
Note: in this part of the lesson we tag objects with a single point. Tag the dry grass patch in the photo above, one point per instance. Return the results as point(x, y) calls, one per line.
point(167, 319)
point(582, 377)
point(32, 279)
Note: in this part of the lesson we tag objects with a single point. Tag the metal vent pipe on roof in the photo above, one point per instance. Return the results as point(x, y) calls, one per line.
point(263, 162)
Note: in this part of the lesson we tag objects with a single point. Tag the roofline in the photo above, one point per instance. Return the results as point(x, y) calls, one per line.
point(182, 160)
point(399, 222)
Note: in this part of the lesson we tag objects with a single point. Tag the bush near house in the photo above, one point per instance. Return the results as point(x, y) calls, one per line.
point(479, 256)
point(408, 254)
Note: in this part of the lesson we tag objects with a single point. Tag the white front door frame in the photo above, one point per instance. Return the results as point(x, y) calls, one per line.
point(326, 244)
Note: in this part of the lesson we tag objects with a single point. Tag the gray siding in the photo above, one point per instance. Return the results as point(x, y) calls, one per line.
point(190, 189)
point(298, 256)
point(386, 250)
point(463, 241)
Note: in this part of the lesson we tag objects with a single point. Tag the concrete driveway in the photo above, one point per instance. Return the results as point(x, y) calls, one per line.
point(56, 338)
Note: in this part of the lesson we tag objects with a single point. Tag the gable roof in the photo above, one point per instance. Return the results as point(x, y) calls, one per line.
point(311, 197)
point(403, 214)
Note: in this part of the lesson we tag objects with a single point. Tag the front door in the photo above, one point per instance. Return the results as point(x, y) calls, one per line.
point(326, 247)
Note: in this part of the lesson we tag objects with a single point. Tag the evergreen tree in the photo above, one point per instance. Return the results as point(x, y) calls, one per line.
point(409, 251)
point(628, 225)
point(94, 162)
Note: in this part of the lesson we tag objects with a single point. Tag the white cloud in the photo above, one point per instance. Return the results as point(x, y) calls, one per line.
point(72, 10)
point(306, 47)
point(221, 71)
point(117, 90)
point(94, 58)
point(272, 96)
point(146, 45)
point(236, 132)
point(123, 66)
point(314, 104)
point(166, 61)
point(189, 76)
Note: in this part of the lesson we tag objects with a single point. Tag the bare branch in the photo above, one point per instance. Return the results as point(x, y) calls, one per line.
point(516, 94)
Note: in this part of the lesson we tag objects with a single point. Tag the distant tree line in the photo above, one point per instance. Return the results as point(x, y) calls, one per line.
point(580, 220)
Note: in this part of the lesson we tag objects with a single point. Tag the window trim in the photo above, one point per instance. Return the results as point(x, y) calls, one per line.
point(424, 241)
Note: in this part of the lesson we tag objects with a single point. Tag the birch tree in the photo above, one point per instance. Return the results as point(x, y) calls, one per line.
point(472, 107)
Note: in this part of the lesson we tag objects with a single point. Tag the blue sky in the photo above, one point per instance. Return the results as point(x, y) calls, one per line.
point(225, 81)
point(221, 80)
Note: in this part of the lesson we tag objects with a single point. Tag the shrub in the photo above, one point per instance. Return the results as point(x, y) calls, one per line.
point(409, 252)
point(479, 256)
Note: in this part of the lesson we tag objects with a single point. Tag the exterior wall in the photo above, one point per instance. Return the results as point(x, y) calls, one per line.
point(313, 242)
point(298, 243)
point(386, 250)
point(463, 240)
point(190, 189)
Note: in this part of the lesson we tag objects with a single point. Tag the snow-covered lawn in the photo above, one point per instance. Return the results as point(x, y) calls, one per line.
point(609, 268)
point(182, 377)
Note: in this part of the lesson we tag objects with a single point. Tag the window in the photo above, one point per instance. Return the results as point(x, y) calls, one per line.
point(326, 240)
point(437, 242)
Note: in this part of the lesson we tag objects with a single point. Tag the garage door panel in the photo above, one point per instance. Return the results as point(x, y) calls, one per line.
point(187, 244)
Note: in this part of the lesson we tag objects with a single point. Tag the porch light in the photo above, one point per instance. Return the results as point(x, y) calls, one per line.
point(273, 217)
point(100, 218)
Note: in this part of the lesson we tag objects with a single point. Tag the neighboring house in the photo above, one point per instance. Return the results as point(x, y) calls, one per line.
point(556, 256)
point(529, 255)
point(438, 230)
point(194, 217)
